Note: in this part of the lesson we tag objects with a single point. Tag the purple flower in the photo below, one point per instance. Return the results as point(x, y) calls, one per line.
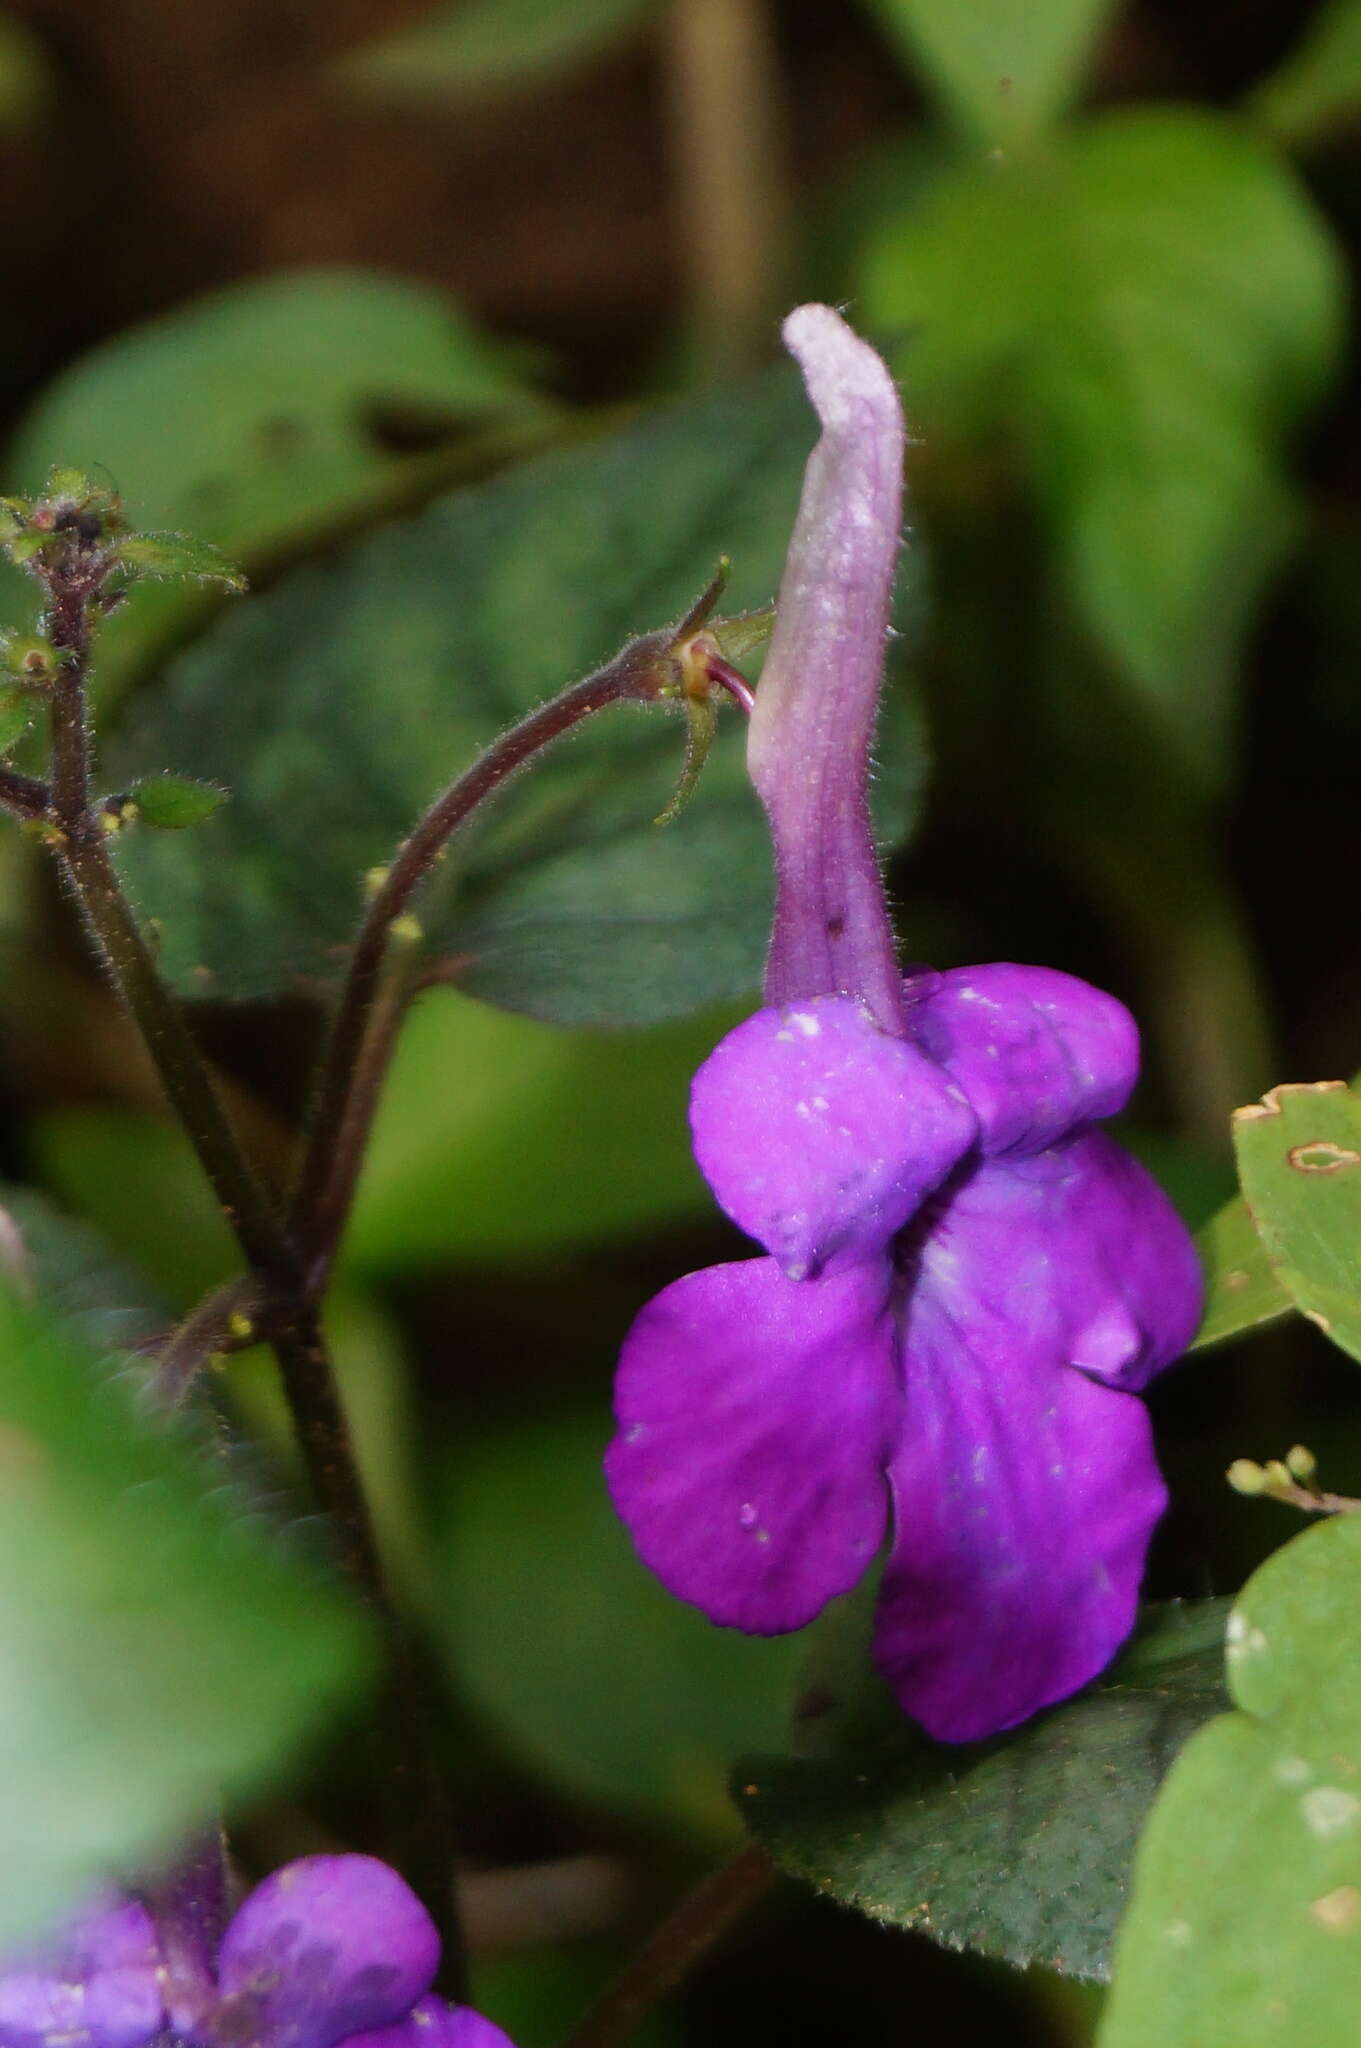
point(329, 1950)
point(967, 1282)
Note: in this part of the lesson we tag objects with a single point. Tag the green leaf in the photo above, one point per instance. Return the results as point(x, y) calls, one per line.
point(411, 651)
point(1241, 1290)
point(597, 1675)
point(158, 1650)
point(135, 1178)
point(1299, 1159)
point(16, 716)
point(504, 1140)
point(1018, 1848)
point(1246, 1915)
point(251, 418)
point(476, 49)
point(1149, 307)
point(60, 1262)
point(1002, 68)
point(175, 802)
point(1318, 88)
point(176, 554)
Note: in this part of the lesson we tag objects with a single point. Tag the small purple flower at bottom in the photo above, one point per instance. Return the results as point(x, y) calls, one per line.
point(968, 1283)
point(330, 1950)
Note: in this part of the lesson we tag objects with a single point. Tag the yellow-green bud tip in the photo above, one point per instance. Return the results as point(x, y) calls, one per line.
point(1277, 1476)
point(407, 929)
point(374, 880)
point(1302, 1463)
point(241, 1327)
point(1245, 1475)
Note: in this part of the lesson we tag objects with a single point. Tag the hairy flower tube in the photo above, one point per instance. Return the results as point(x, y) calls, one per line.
point(329, 1950)
point(967, 1282)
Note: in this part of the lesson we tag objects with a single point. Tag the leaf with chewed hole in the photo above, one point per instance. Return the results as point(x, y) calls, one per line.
point(1245, 1921)
point(1299, 1159)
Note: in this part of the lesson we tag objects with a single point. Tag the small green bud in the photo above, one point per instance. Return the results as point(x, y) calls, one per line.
point(27, 544)
point(65, 482)
point(408, 930)
point(1277, 1478)
point(1245, 1475)
point(174, 802)
point(1302, 1463)
point(175, 554)
point(31, 658)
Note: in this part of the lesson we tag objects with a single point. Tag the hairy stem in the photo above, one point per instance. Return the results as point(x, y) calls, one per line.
point(407, 1757)
point(362, 1033)
point(672, 1950)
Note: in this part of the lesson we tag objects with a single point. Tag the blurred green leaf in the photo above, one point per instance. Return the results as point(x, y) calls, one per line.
point(255, 417)
point(597, 1675)
point(1146, 309)
point(1002, 68)
point(158, 1651)
point(1241, 1290)
point(69, 1269)
point(1318, 88)
point(411, 651)
point(136, 1180)
point(476, 49)
point(503, 1139)
point(1299, 1159)
point(1246, 1911)
point(1020, 1847)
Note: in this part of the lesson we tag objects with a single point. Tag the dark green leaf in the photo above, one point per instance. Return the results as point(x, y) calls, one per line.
point(26, 82)
point(1003, 68)
point(336, 705)
point(174, 802)
point(1149, 305)
point(251, 419)
point(1020, 1847)
point(1246, 1913)
point(1318, 88)
point(476, 48)
point(599, 1677)
point(158, 1650)
point(1241, 1290)
point(1299, 1159)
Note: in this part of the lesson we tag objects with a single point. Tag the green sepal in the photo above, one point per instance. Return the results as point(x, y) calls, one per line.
point(176, 554)
point(27, 544)
point(744, 632)
point(702, 717)
point(174, 802)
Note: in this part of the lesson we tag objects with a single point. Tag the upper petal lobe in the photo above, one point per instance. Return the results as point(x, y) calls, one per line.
point(820, 1134)
point(1036, 1051)
point(756, 1415)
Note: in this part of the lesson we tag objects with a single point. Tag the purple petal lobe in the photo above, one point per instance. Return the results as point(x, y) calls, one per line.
point(1024, 1498)
point(755, 1416)
point(433, 2024)
point(809, 739)
point(94, 1985)
point(1025, 1492)
point(820, 1134)
point(1037, 1052)
point(326, 1947)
